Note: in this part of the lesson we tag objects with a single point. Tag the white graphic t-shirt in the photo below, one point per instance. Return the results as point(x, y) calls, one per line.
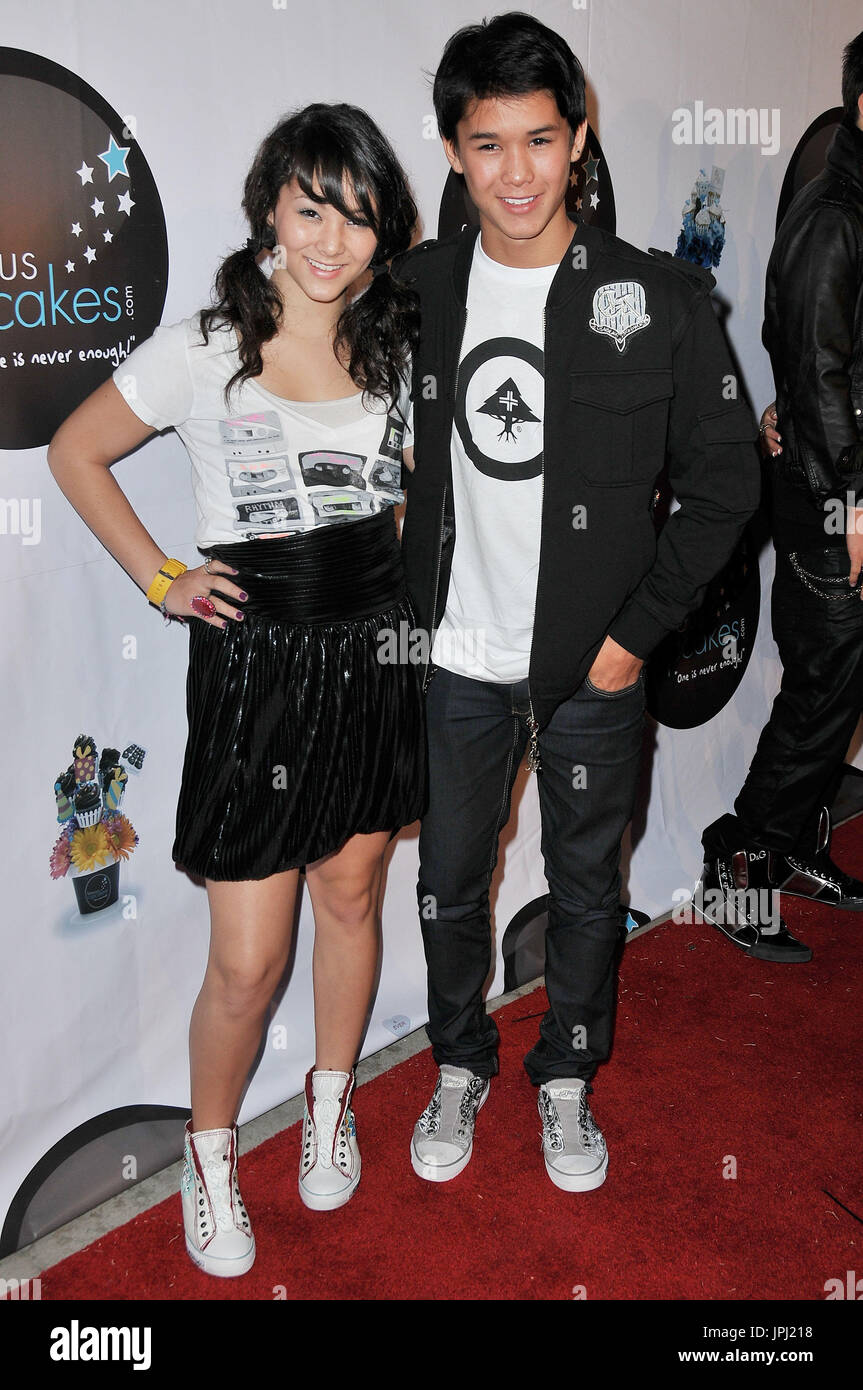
point(497, 444)
point(267, 466)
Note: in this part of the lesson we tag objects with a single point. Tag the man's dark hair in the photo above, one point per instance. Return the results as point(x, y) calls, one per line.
point(508, 56)
point(852, 76)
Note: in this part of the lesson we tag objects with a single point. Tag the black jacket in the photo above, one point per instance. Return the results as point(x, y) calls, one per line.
point(612, 418)
point(813, 330)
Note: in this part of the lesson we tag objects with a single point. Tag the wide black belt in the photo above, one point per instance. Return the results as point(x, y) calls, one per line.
point(332, 574)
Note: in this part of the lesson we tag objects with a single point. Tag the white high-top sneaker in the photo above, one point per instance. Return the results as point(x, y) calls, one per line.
point(330, 1160)
point(218, 1231)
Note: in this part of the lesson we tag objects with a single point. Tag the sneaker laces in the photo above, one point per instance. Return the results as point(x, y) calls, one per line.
point(826, 869)
point(453, 1106)
point(217, 1178)
point(325, 1116)
point(576, 1128)
point(469, 1105)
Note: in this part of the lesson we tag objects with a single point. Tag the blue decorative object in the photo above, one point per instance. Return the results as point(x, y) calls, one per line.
point(702, 235)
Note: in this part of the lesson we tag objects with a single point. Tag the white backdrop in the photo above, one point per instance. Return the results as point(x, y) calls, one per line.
point(96, 1009)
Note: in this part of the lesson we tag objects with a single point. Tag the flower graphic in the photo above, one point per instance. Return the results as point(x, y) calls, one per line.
point(94, 834)
point(90, 848)
point(60, 858)
point(121, 835)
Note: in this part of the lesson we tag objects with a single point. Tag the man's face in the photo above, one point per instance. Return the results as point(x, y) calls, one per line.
point(515, 154)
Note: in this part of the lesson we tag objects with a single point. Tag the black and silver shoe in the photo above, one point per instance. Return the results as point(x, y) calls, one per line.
point(815, 876)
point(442, 1141)
point(735, 893)
point(573, 1146)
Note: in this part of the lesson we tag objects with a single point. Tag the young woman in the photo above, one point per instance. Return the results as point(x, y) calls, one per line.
point(304, 749)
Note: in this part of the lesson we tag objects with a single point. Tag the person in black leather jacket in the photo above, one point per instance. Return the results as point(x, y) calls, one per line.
point(779, 840)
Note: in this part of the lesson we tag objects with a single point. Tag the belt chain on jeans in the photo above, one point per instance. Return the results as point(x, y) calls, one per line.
point(805, 578)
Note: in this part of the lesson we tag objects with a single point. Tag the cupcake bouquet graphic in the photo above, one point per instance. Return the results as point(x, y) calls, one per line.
point(95, 834)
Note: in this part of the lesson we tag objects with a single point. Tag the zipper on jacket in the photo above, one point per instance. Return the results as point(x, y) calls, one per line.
point(534, 763)
point(430, 669)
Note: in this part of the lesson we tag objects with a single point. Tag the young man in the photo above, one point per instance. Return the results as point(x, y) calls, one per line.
point(779, 840)
point(557, 368)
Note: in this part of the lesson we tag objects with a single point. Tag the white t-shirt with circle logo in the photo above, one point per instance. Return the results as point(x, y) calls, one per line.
point(497, 442)
point(266, 466)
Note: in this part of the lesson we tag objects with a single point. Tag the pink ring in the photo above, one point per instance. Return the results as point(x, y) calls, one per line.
point(204, 607)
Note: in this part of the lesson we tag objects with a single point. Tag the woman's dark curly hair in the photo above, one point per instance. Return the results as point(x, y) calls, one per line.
point(336, 147)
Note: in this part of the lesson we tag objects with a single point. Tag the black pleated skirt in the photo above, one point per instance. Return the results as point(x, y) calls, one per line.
point(300, 735)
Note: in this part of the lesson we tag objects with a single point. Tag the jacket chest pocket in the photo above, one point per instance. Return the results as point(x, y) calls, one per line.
point(619, 422)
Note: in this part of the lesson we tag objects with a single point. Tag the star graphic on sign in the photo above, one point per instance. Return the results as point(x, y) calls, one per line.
point(594, 200)
point(590, 167)
point(98, 207)
point(108, 236)
point(70, 266)
point(89, 255)
point(573, 177)
point(125, 204)
point(114, 159)
point(578, 204)
point(85, 173)
point(76, 228)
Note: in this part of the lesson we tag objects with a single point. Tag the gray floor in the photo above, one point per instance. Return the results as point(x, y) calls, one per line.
point(31, 1260)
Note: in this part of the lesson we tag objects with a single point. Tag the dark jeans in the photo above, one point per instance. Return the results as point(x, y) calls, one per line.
point(798, 762)
point(590, 756)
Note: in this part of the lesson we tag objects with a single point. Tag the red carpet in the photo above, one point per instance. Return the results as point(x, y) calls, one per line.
point(716, 1058)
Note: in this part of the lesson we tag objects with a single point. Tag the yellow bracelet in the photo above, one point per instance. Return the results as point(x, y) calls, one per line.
point(170, 570)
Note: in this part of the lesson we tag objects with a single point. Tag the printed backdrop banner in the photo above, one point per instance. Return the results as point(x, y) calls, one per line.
point(126, 136)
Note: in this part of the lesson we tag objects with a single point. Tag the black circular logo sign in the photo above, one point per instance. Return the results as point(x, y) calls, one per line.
point(500, 431)
point(98, 890)
point(697, 669)
point(83, 248)
point(590, 196)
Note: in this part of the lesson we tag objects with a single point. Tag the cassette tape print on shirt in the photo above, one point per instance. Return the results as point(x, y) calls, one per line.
point(283, 491)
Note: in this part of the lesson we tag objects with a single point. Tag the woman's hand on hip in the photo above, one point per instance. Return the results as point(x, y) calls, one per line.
point(207, 583)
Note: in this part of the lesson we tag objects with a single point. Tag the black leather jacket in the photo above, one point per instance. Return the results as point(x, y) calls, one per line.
point(813, 330)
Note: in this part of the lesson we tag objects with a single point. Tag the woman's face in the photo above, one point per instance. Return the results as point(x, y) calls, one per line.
point(317, 248)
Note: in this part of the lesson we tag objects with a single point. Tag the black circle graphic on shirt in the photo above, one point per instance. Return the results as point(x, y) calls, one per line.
point(503, 401)
point(83, 245)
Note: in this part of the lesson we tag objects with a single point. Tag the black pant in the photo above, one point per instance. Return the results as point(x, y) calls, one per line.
point(590, 756)
point(798, 762)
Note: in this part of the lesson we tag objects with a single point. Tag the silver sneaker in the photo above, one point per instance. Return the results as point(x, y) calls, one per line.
point(576, 1158)
point(442, 1141)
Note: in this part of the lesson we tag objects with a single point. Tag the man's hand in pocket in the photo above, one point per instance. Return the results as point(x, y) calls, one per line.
point(614, 668)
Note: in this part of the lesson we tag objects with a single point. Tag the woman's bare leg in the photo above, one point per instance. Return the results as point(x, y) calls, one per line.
point(344, 890)
point(250, 938)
